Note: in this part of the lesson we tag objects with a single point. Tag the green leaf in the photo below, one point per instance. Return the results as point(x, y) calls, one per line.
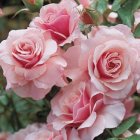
point(112, 139)
point(134, 137)
point(124, 126)
point(102, 6)
point(3, 100)
point(14, 111)
point(126, 12)
point(81, 26)
point(137, 31)
point(93, 5)
point(117, 4)
point(34, 7)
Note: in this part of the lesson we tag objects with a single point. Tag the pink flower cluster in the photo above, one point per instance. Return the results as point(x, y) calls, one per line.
point(103, 68)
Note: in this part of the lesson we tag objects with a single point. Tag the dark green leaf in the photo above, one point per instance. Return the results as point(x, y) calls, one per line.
point(125, 125)
point(14, 111)
point(3, 100)
point(134, 137)
point(126, 12)
point(117, 4)
point(137, 31)
point(112, 139)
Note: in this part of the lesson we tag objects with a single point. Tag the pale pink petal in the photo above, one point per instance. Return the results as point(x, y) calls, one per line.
point(31, 74)
point(51, 48)
point(96, 129)
point(30, 90)
point(113, 114)
point(89, 121)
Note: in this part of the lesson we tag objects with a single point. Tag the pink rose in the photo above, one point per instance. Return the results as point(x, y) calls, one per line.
point(44, 132)
point(108, 57)
point(61, 20)
point(82, 106)
point(31, 63)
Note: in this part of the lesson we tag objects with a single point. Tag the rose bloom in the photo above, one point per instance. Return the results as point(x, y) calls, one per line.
point(31, 63)
point(61, 20)
point(108, 57)
point(81, 105)
point(44, 132)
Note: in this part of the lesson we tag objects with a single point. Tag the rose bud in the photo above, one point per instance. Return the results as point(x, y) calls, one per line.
point(33, 5)
point(85, 17)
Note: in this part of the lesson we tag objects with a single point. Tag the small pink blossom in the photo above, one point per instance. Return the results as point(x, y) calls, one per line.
point(31, 63)
point(61, 20)
point(112, 17)
point(82, 106)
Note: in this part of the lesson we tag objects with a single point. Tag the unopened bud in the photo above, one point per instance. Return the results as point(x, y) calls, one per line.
point(33, 5)
point(85, 17)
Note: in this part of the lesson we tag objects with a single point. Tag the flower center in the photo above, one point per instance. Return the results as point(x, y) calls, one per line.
point(110, 65)
point(27, 53)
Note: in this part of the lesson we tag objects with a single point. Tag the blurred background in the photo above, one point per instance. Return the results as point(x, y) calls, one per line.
point(10, 21)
